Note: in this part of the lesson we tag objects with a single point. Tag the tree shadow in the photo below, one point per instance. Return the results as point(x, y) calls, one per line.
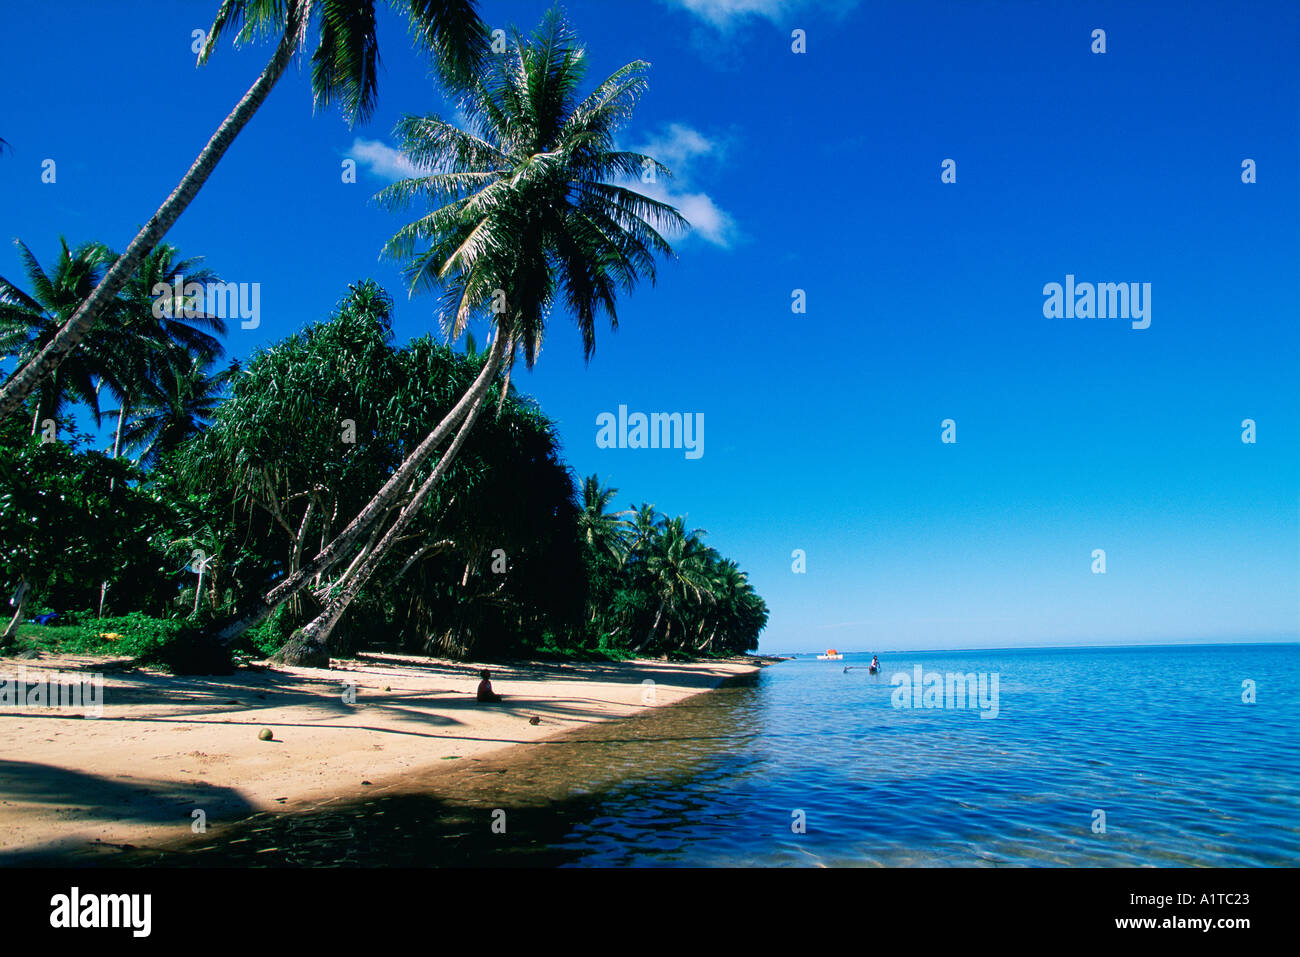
point(92, 799)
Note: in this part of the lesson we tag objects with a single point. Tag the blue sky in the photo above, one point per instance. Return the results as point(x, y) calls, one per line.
point(821, 171)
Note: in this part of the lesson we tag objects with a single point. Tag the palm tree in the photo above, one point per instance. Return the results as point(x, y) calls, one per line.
point(343, 70)
point(150, 344)
point(642, 529)
point(183, 401)
point(29, 322)
point(532, 217)
point(601, 529)
point(676, 568)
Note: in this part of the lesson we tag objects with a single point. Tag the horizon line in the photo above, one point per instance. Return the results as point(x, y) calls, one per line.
point(1163, 644)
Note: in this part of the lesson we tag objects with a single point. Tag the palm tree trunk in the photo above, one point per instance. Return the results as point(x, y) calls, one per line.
point(198, 589)
point(117, 436)
point(653, 629)
point(117, 445)
point(317, 632)
point(16, 620)
point(25, 379)
point(323, 593)
point(333, 553)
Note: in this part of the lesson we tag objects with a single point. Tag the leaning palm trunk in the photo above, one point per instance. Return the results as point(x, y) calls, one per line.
point(14, 622)
point(43, 364)
point(654, 629)
point(312, 641)
point(379, 506)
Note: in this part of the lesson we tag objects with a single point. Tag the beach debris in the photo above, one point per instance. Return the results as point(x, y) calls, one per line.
point(534, 720)
point(265, 735)
point(366, 782)
point(386, 688)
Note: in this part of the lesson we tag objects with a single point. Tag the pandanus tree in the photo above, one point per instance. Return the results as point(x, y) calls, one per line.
point(344, 71)
point(306, 433)
point(530, 214)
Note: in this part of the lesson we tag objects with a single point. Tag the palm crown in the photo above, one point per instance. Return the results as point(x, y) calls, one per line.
point(345, 63)
point(528, 200)
point(29, 321)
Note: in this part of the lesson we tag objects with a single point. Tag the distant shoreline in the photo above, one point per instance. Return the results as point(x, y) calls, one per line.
point(166, 747)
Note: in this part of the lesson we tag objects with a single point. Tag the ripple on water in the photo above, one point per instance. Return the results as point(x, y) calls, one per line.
point(1156, 738)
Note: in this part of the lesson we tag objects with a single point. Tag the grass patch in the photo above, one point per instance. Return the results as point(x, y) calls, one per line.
point(173, 643)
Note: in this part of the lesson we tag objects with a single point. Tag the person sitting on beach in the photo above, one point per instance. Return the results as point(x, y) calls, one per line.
point(485, 693)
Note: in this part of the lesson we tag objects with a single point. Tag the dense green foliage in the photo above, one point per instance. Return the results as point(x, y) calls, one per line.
point(506, 558)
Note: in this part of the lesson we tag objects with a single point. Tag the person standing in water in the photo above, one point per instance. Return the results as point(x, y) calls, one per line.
point(875, 664)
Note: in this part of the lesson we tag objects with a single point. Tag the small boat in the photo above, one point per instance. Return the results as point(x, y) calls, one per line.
point(831, 655)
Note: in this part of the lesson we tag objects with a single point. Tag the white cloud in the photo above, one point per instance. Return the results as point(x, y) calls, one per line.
point(680, 148)
point(720, 12)
point(710, 223)
point(382, 160)
point(724, 13)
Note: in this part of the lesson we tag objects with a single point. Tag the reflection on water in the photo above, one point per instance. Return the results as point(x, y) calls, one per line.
point(1159, 739)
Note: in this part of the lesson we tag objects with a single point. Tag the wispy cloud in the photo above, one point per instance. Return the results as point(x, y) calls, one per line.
point(386, 162)
point(725, 13)
point(681, 148)
point(678, 147)
point(721, 12)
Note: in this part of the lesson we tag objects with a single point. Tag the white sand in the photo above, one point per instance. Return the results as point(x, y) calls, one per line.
point(166, 746)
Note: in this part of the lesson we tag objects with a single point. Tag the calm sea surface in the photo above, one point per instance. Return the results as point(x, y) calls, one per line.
point(1158, 739)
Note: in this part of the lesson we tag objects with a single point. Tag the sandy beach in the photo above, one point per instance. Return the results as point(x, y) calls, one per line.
point(167, 746)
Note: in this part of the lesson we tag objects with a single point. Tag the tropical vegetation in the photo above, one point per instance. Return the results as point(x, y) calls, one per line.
point(336, 490)
point(507, 557)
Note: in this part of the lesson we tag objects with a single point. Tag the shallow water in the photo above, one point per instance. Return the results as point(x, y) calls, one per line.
point(1157, 738)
